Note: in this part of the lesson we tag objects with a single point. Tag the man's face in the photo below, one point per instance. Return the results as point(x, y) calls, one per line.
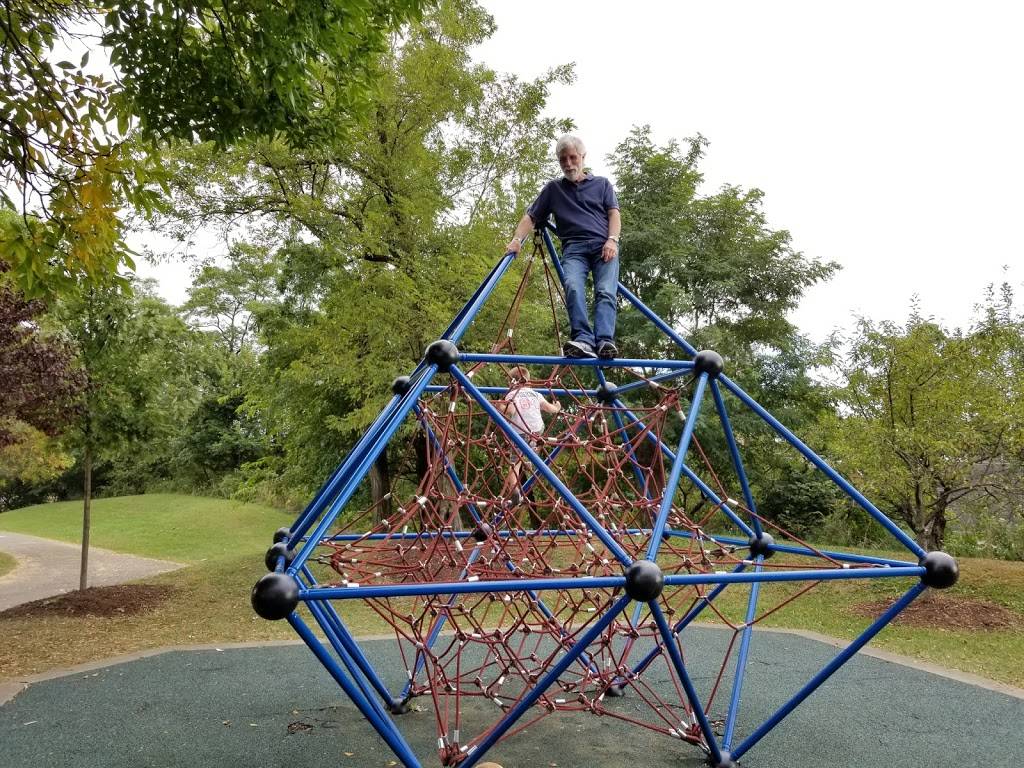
point(572, 163)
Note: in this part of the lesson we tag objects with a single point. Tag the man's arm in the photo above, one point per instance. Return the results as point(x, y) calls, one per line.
point(524, 228)
point(611, 245)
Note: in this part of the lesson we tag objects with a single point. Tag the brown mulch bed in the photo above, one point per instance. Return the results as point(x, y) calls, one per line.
point(937, 611)
point(119, 600)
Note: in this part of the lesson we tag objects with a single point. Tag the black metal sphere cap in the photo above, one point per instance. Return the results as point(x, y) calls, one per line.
point(940, 570)
point(762, 545)
point(400, 385)
point(482, 532)
point(275, 596)
point(281, 534)
point(607, 392)
point(708, 362)
point(644, 580)
point(280, 549)
point(443, 354)
point(725, 762)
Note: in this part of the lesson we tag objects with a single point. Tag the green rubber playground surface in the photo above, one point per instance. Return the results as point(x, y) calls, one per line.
point(276, 706)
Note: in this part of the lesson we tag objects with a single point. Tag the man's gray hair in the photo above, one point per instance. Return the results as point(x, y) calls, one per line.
point(568, 140)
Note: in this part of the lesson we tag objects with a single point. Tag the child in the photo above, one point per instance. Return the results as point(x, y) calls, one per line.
point(522, 406)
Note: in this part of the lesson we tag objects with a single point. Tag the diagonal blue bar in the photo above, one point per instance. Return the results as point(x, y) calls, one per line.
point(812, 457)
point(830, 669)
point(598, 530)
point(358, 471)
point(734, 451)
point(677, 468)
point(703, 487)
point(544, 683)
point(385, 727)
point(741, 662)
point(692, 614)
point(691, 693)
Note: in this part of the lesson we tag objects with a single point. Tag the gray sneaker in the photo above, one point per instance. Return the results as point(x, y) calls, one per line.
point(578, 350)
point(607, 350)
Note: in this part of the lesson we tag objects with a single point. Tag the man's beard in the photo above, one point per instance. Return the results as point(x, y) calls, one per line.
point(572, 175)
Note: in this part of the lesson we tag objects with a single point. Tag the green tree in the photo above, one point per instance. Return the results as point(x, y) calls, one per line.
point(382, 233)
point(202, 69)
point(140, 366)
point(713, 269)
point(930, 419)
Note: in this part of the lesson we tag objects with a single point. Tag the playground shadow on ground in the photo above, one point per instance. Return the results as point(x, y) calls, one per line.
point(276, 706)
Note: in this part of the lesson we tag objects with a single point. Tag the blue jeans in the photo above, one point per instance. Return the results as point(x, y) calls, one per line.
point(577, 260)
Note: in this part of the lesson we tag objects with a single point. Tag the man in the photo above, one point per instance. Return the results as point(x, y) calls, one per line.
point(588, 224)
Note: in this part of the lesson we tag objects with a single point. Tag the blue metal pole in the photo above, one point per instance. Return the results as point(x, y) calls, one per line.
point(359, 470)
point(601, 582)
point(386, 729)
point(812, 457)
point(677, 468)
point(843, 557)
point(658, 322)
point(613, 546)
point(449, 469)
point(692, 614)
point(691, 692)
point(458, 326)
point(357, 674)
point(829, 669)
point(327, 490)
point(737, 462)
point(353, 649)
point(741, 661)
point(544, 683)
point(618, 362)
point(703, 487)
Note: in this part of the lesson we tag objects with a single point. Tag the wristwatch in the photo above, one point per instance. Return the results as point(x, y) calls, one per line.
point(614, 238)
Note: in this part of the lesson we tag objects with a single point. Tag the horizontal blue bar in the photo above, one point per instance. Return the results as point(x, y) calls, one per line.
point(843, 557)
point(597, 582)
point(479, 357)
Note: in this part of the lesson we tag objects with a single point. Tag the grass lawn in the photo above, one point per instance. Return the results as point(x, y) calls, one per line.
point(7, 563)
point(224, 543)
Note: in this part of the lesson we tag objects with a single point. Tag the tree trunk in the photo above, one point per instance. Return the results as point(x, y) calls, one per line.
point(83, 577)
point(933, 533)
point(380, 485)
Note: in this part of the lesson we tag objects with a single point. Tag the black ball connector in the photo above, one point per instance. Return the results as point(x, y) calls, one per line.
point(607, 392)
point(482, 532)
point(281, 534)
point(400, 385)
point(762, 545)
point(400, 707)
point(615, 691)
point(275, 596)
point(443, 354)
point(644, 580)
point(708, 362)
point(725, 762)
point(940, 570)
point(279, 550)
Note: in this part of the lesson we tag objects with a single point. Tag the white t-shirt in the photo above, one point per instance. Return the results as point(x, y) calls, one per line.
point(524, 415)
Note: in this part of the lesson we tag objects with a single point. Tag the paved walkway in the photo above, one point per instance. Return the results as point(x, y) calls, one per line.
point(47, 568)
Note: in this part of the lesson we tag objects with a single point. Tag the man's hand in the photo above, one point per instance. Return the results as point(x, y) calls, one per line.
point(513, 246)
point(610, 250)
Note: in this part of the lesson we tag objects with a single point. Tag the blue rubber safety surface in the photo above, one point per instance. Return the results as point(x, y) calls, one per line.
point(276, 706)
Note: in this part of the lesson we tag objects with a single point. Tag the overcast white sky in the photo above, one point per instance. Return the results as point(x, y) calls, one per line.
point(886, 136)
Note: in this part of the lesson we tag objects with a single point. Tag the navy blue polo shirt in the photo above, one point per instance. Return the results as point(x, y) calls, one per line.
point(581, 210)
